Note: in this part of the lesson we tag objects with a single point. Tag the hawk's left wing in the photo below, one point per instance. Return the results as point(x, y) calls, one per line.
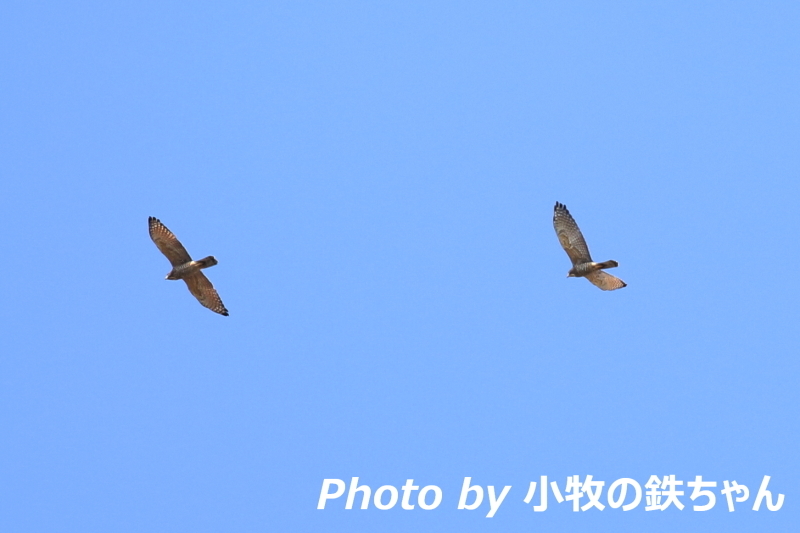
point(570, 236)
point(167, 242)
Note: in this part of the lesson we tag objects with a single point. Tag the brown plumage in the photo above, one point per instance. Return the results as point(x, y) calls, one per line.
point(184, 268)
point(571, 239)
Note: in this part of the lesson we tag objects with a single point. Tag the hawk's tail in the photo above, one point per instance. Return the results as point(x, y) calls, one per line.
point(606, 264)
point(206, 262)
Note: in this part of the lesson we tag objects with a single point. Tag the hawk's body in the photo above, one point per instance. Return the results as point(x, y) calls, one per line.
point(571, 239)
point(184, 268)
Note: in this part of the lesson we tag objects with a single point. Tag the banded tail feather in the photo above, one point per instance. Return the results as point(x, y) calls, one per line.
point(605, 264)
point(210, 261)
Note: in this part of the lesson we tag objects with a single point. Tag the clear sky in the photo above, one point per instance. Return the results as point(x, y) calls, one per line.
point(377, 182)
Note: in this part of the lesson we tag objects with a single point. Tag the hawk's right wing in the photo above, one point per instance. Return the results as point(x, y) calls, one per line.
point(168, 243)
point(570, 236)
point(204, 291)
point(605, 281)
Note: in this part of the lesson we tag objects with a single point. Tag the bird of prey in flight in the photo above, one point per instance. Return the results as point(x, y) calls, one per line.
point(571, 239)
point(184, 268)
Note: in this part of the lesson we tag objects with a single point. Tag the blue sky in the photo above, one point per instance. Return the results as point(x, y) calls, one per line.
point(377, 182)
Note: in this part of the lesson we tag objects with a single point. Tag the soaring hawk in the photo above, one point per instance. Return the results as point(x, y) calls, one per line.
point(571, 239)
point(184, 268)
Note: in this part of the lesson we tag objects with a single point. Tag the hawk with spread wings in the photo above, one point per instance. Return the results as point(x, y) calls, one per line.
point(184, 268)
point(571, 239)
